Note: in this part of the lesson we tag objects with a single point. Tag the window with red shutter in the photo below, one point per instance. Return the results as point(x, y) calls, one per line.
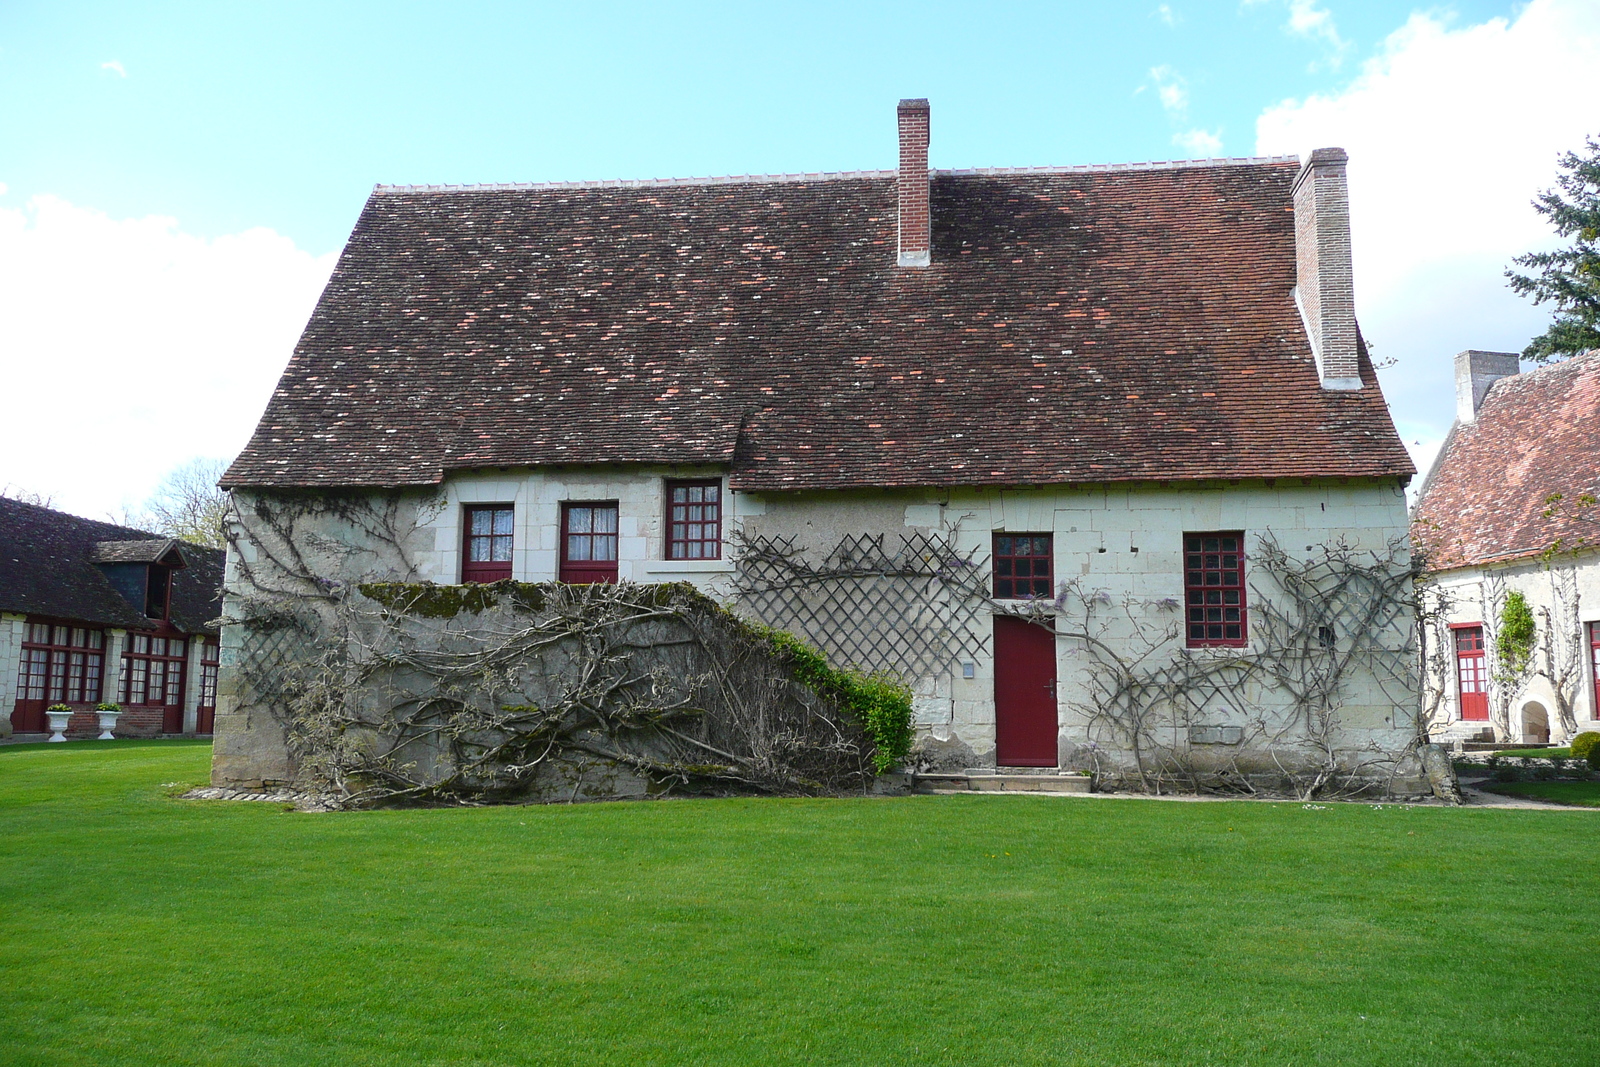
point(486, 550)
point(589, 542)
point(1214, 591)
point(694, 519)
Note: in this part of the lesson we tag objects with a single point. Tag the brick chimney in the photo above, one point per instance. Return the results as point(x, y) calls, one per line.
point(1324, 289)
point(1475, 372)
point(916, 230)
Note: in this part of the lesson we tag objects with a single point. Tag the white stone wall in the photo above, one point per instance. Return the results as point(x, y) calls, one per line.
point(536, 497)
point(11, 633)
point(1126, 541)
point(1566, 593)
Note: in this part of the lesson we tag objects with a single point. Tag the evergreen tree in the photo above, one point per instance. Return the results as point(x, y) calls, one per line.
point(1569, 277)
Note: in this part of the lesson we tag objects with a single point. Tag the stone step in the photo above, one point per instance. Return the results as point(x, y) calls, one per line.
point(990, 782)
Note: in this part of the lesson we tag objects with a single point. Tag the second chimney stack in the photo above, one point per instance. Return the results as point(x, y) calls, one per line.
point(916, 226)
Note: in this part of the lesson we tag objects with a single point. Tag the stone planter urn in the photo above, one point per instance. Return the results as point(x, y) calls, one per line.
point(108, 720)
point(59, 714)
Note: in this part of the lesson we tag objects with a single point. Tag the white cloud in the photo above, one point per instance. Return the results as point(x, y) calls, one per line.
point(1451, 132)
point(131, 346)
point(1313, 23)
point(1169, 18)
point(116, 67)
point(1200, 144)
point(1172, 90)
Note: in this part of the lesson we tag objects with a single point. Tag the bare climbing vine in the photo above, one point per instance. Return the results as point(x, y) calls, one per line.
point(396, 690)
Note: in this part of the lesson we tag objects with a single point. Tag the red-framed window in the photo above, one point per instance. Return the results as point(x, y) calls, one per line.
point(1022, 568)
point(589, 541)
point(694, 519)
point(1214, 591)
point(152, 673)
point(206, 707)
point(1472, 679)
point(1594, 663)
point(61, 664)
point(486, 548)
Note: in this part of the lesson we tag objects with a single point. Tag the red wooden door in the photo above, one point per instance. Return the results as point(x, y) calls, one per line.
point(1025, 722)
point(1470, 674)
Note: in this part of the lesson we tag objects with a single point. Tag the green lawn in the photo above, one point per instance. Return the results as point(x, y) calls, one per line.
point(1583, 794)
point(1534, 753)
point(141, 929)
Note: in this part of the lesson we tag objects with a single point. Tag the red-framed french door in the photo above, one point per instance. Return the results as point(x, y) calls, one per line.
point(60, 664)
point(205, 712)
point(1594, 663)
point(1472, 679)
point(153, 677)
point(1025, 717)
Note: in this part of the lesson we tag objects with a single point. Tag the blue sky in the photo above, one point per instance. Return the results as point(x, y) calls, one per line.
point(177, 176)
point(284, 115)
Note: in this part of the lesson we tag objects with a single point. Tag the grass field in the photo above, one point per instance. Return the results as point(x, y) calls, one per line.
point(1535, 753)
point(142, 929)
point(1581, 794)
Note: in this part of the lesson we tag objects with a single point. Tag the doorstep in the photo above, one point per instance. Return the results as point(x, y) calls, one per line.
point(1004, 781)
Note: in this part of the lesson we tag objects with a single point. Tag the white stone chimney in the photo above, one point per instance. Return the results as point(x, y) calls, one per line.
point(916, 229)
point(1475, 372)
point(1324, 287)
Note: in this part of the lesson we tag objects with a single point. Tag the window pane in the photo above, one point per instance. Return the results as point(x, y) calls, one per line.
point(500, 549)
point(482, 522)
point(605, 520)
point(502, 521)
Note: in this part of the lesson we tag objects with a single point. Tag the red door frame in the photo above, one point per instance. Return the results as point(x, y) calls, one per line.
point(205, 712)
point(1026, 720)
point(1472, 681)
point(1594, 663)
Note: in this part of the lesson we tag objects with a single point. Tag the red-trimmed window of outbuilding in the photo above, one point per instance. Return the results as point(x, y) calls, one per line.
point(1022, 569)
point(152, 671)
point(1213, 590)
point(61, 664)
point(694, 519)
point(589, 542)
point(486, 548)
point(1472, 678)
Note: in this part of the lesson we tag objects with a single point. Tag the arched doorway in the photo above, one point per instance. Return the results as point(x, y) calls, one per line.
point(1535, 723)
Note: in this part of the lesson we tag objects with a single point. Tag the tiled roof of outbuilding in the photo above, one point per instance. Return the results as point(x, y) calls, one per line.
point(47, 569)
point(1486, 498)
point(1080, 325)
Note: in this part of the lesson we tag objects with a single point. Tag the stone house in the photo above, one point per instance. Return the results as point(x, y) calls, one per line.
point(91, 612)
point(984, 428)
point(1508, 507)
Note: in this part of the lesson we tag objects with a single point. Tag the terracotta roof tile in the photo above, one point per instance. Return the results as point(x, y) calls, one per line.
point(1076, 325)
point(1486, 498)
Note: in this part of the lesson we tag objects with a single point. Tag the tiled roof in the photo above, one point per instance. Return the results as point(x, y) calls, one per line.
point(1077, 325)
point(150, 550)
point(1486, 498)
point(47, 568)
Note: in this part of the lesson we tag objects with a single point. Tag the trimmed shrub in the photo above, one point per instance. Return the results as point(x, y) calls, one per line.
point(1594, 758)
point(1584, 743)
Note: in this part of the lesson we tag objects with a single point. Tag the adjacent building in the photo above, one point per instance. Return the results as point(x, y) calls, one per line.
point(92, 612)
point(1510, 508)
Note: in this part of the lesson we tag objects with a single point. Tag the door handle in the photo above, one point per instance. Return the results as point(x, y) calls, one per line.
point(1050, 687)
